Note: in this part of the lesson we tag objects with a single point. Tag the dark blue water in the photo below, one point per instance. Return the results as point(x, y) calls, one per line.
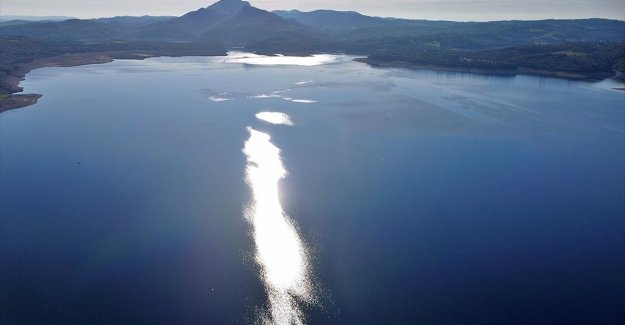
point(422, 197)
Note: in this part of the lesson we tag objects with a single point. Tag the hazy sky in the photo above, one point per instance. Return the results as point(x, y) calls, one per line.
point(427, 9)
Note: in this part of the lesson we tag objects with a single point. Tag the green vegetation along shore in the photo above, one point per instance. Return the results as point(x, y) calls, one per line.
point(581, 61)
point(19, 56)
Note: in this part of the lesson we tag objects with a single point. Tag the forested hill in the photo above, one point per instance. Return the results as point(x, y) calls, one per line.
point(349, 25)
point(239, 23)
point(583, 47)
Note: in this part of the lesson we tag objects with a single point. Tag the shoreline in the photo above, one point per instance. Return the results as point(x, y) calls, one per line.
point(492, 72)
point(11, 83)
point(15, 99)
point(18, 101)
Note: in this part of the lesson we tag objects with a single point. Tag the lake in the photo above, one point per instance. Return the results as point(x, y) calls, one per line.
point(247, 189)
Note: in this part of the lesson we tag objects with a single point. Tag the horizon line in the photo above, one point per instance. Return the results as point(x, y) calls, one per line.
point(17, 17)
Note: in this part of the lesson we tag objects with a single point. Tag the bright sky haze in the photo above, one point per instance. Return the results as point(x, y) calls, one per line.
point(461, 10)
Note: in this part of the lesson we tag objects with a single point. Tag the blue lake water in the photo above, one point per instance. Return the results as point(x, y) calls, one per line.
point(153, 192)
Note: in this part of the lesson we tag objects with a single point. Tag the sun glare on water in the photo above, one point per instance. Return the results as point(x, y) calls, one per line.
point(255, 59)
point(280, 252)
point(274, 118)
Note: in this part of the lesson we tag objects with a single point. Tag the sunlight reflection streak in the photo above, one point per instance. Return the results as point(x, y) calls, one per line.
point(280, 252)
point(275, 118)
point(255, 59)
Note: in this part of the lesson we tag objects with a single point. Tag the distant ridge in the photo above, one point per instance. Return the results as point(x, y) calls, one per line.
point(238, 23)
point(575, 48)
point(71, 29)
point(251, 24)
point(229, 7)
point(132, 20)
point(232, 22)
point(35, 18)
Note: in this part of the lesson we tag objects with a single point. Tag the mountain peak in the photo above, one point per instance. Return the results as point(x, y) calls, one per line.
point(229, 7)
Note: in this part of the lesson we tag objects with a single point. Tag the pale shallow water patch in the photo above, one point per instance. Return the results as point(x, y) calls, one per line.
point(304, 101)
point(218, 99)
point(273, 94)
point(262, 96)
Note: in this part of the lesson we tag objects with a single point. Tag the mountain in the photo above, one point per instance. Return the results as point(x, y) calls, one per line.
point(343, 22)
point(252, 25)
point(14, 22)
point(193, 24)
point(185, 28)
point(120, 27)
point(126, 27)
point(188, 27)
point(234, 23)
point(229, 7)
point(352, 26)
point(330, 19)
point(35, 18)
point(71, 29)
point(132, 21)
point(590, 48)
